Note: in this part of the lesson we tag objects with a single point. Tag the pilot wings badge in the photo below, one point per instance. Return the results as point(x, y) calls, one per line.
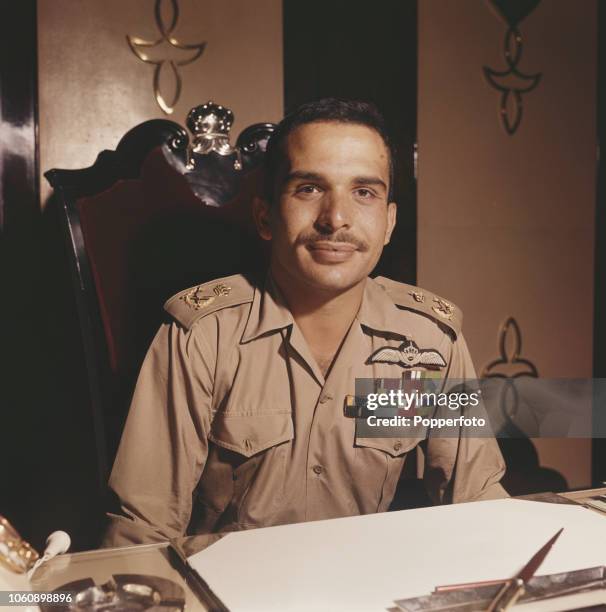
point(408, 355)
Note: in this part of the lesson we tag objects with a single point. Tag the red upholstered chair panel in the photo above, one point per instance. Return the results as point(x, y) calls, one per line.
point(148, 238)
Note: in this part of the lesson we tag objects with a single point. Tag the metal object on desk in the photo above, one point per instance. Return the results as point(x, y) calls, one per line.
point(102, 565)
point(513, 589)
point(16, 555)
point(123, 593)
point(537, 588)
point(597, 502)
point(509, 586)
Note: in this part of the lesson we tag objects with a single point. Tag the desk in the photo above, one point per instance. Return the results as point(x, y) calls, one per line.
point(579, 496)
point(160, 560)
point(100, 565)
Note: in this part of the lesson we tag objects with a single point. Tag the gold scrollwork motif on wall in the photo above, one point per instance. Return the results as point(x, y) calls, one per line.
point(510, 364)
point(163, 67)
point(512, 83)
point(509, 367)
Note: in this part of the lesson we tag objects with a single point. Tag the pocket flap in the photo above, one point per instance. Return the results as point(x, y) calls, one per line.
point(250, 434)
point(393, 446)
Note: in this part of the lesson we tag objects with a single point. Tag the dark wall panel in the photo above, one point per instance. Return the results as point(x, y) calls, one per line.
point(46, 464)
point(599, 334)
point(18, 251)
point(363, 50)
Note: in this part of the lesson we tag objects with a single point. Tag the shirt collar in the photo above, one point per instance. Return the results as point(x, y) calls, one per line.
point(378, 311)
point(268, 311)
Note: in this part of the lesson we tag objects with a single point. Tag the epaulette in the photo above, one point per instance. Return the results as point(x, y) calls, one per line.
point(415, 298)
point(196, 302)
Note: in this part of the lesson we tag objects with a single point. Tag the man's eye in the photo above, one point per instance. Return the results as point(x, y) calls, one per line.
point(365, 193)
point(307, 189)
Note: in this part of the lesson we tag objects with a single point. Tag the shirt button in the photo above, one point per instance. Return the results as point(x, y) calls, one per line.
point(325, 398)
point(397, 446)
point(318, 469)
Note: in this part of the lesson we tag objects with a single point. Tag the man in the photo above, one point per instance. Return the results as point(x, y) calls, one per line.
point(238, 416)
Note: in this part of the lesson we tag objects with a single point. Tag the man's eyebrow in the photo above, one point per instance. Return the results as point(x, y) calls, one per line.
point(369, 180)
point(303, 175)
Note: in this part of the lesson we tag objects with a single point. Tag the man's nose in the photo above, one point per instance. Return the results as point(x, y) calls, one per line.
point(335, 213)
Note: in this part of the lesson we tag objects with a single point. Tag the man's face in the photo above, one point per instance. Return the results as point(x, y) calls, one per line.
point(331, 216)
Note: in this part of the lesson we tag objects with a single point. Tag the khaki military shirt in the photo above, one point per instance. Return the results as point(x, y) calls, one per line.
point(233, 425)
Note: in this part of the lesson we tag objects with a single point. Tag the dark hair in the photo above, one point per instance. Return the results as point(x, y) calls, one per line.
point(326, 109)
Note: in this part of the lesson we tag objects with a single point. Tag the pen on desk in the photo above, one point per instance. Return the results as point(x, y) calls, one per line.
point(473, 585)
point(468, 585)
point(514, 588)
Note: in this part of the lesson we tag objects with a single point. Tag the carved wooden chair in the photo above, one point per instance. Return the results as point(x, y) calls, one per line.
point(160, 213)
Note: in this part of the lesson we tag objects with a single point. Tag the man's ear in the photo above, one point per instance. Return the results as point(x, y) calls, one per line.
point(261, 213)
point(392, 210)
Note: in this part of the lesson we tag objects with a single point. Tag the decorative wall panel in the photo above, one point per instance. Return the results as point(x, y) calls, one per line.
point(506, 225)
point(93, 89)
point(512, 83)
point(151, 52)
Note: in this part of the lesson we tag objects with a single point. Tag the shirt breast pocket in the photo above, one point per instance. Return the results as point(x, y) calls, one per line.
point(249, 433)
point(257, 447)
point(377, 467)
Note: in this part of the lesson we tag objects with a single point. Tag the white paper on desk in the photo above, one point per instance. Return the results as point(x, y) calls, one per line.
point(366, 562)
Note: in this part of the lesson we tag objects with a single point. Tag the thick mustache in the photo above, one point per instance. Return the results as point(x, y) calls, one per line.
point(343, 237)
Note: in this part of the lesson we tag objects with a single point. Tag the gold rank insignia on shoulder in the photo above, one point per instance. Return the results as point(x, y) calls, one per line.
point(221, 289)
point(417, 296)
point(196, 300)
point(408, 355)
point(443, 308)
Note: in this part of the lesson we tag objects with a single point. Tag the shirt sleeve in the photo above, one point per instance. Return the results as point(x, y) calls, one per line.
point(164, 443)
point(463, 468)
